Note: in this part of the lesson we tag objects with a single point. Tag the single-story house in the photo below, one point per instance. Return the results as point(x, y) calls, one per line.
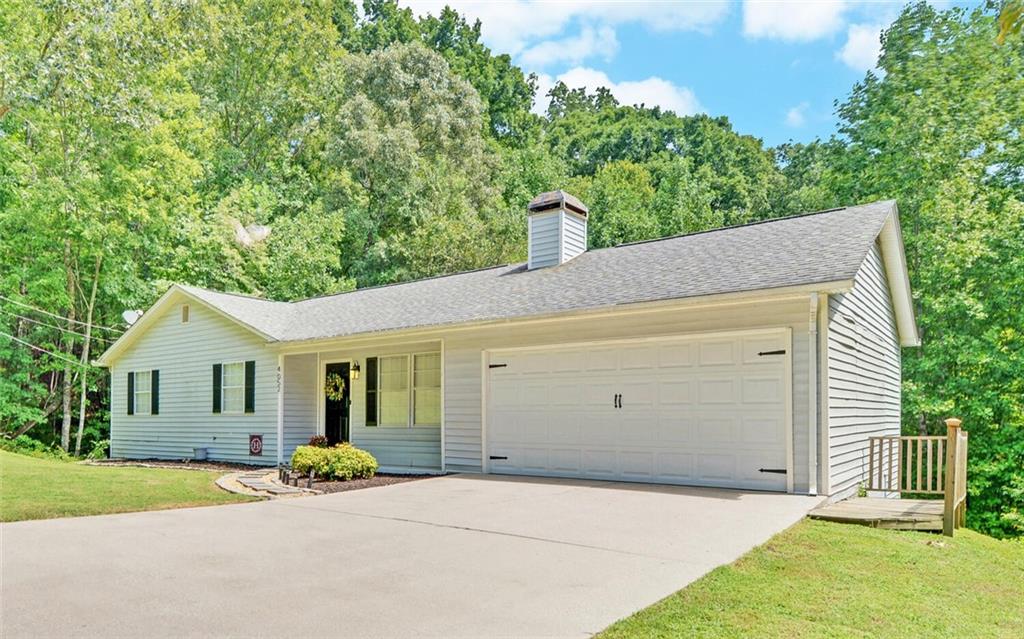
point(760, 356)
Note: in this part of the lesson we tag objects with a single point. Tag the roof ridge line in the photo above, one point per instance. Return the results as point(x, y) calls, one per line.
point(739, 226)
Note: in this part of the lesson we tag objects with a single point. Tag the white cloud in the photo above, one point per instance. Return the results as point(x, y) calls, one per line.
point(574, 50)
point(792, 20)
point(510, 26)
point(862, 46)
point(796, 117)
point(652, 91)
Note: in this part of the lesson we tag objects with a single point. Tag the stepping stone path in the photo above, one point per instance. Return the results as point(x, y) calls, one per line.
point(262, 482)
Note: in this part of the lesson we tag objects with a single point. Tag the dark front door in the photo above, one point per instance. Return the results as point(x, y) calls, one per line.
point(337, 407)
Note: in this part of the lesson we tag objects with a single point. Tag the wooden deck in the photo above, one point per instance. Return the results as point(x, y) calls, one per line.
point(899, 514)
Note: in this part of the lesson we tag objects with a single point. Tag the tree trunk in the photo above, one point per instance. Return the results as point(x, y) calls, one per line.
point(65, 423)
point(85, 355)
point(922, 425)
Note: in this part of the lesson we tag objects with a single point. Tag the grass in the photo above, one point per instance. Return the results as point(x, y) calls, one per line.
point(34, 488)
point(821, 579)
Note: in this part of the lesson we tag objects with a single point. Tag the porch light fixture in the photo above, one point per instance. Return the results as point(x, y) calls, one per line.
point(354, 372)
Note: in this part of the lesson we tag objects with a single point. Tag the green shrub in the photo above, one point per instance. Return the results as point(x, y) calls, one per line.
point(99, 450)
point(343, 461)
point(26, 445)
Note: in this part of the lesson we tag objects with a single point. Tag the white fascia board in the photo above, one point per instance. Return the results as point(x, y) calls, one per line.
point(895, 259)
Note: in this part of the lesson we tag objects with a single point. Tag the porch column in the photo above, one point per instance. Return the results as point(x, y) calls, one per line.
point(280, 409)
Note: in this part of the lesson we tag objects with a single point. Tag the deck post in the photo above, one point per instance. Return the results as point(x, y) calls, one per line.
point(949, 511)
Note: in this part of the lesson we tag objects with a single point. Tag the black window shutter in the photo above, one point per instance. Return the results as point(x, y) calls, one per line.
point(216, 388)
point(371, 391)
point(250, 387)
point(154, 396)
point(131, 393)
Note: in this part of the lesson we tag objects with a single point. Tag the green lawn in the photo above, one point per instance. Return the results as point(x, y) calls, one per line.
point(32, 488)
point(820, 579)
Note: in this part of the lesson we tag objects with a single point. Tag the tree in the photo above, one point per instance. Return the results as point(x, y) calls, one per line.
point(939, 132)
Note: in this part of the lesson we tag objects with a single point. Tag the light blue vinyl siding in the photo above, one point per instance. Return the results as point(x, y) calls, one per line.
point(864, 373)
point(544, 239)
point(185, 354)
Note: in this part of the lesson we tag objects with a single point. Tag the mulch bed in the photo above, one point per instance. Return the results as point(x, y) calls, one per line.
point(181, 464)
point(356, 484)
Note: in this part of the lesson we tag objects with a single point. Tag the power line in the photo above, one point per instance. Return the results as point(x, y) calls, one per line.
point(43, 350)
point(60, 317)
point(59, 328)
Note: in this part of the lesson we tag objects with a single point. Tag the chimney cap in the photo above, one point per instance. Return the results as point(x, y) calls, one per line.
point(557, 199)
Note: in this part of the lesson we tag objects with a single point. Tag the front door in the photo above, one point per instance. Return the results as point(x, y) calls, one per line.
point(337, 400)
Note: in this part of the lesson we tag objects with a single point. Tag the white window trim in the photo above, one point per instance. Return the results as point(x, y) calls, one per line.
point(223, 387)
point(410, 418)
point(412, 389)
point(143, 408)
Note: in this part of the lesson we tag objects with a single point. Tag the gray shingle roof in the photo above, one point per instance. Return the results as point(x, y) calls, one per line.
point(809, 249)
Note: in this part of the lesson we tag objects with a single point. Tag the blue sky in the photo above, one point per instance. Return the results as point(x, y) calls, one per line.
point(774, 67)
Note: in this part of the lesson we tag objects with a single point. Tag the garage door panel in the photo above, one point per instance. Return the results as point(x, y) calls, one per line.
point(715, 429)
point(674, 467)
point(762, 389)
point(702, 411)
point(600, 463)
point(636, 465)
point(565, 429)
point(675, 356)
point(717, 390)
point(759, 430)
point(602, 359)
point(754, 346)
point(718, 352)
point(675, 428)
point(716, 468)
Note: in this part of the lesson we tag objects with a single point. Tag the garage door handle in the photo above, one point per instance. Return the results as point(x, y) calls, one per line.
point(776, 471)
point(497, 457)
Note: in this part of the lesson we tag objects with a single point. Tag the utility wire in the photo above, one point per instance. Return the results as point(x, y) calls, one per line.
point(60, 317)
point(43, 350)
point(59, 328)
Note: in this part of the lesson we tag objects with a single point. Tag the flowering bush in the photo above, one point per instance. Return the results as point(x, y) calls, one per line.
point(343, 461)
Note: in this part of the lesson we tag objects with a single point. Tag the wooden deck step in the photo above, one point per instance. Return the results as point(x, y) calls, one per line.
point(900, 514)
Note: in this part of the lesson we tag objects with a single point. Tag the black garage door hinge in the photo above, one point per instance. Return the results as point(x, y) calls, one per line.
point(497, 365)
point(779, 352)
point(777, 471)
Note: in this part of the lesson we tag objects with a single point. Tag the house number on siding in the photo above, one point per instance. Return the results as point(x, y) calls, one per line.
point(279, 379)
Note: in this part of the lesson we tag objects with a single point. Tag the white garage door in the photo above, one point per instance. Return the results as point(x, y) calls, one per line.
point(707, 410)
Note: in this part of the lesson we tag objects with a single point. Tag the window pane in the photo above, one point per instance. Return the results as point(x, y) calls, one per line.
point(427, 371)
point(233, 399)
point(428, 407)
point(142, 381)
point(234, 374)
point(142, 402)
point(394, 408)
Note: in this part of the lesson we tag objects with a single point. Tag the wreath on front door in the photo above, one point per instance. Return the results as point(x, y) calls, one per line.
point(334, 387)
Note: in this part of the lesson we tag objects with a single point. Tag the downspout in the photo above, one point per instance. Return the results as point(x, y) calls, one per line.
point(280, 409)
point(812, 397)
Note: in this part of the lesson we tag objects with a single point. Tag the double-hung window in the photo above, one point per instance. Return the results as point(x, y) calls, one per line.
point(403, 391)
point(426, 389)
point(232, 387)
point(143, 392)
point(393, 390)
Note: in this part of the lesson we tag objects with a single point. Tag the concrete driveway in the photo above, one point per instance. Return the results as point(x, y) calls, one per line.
point(456, 556)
